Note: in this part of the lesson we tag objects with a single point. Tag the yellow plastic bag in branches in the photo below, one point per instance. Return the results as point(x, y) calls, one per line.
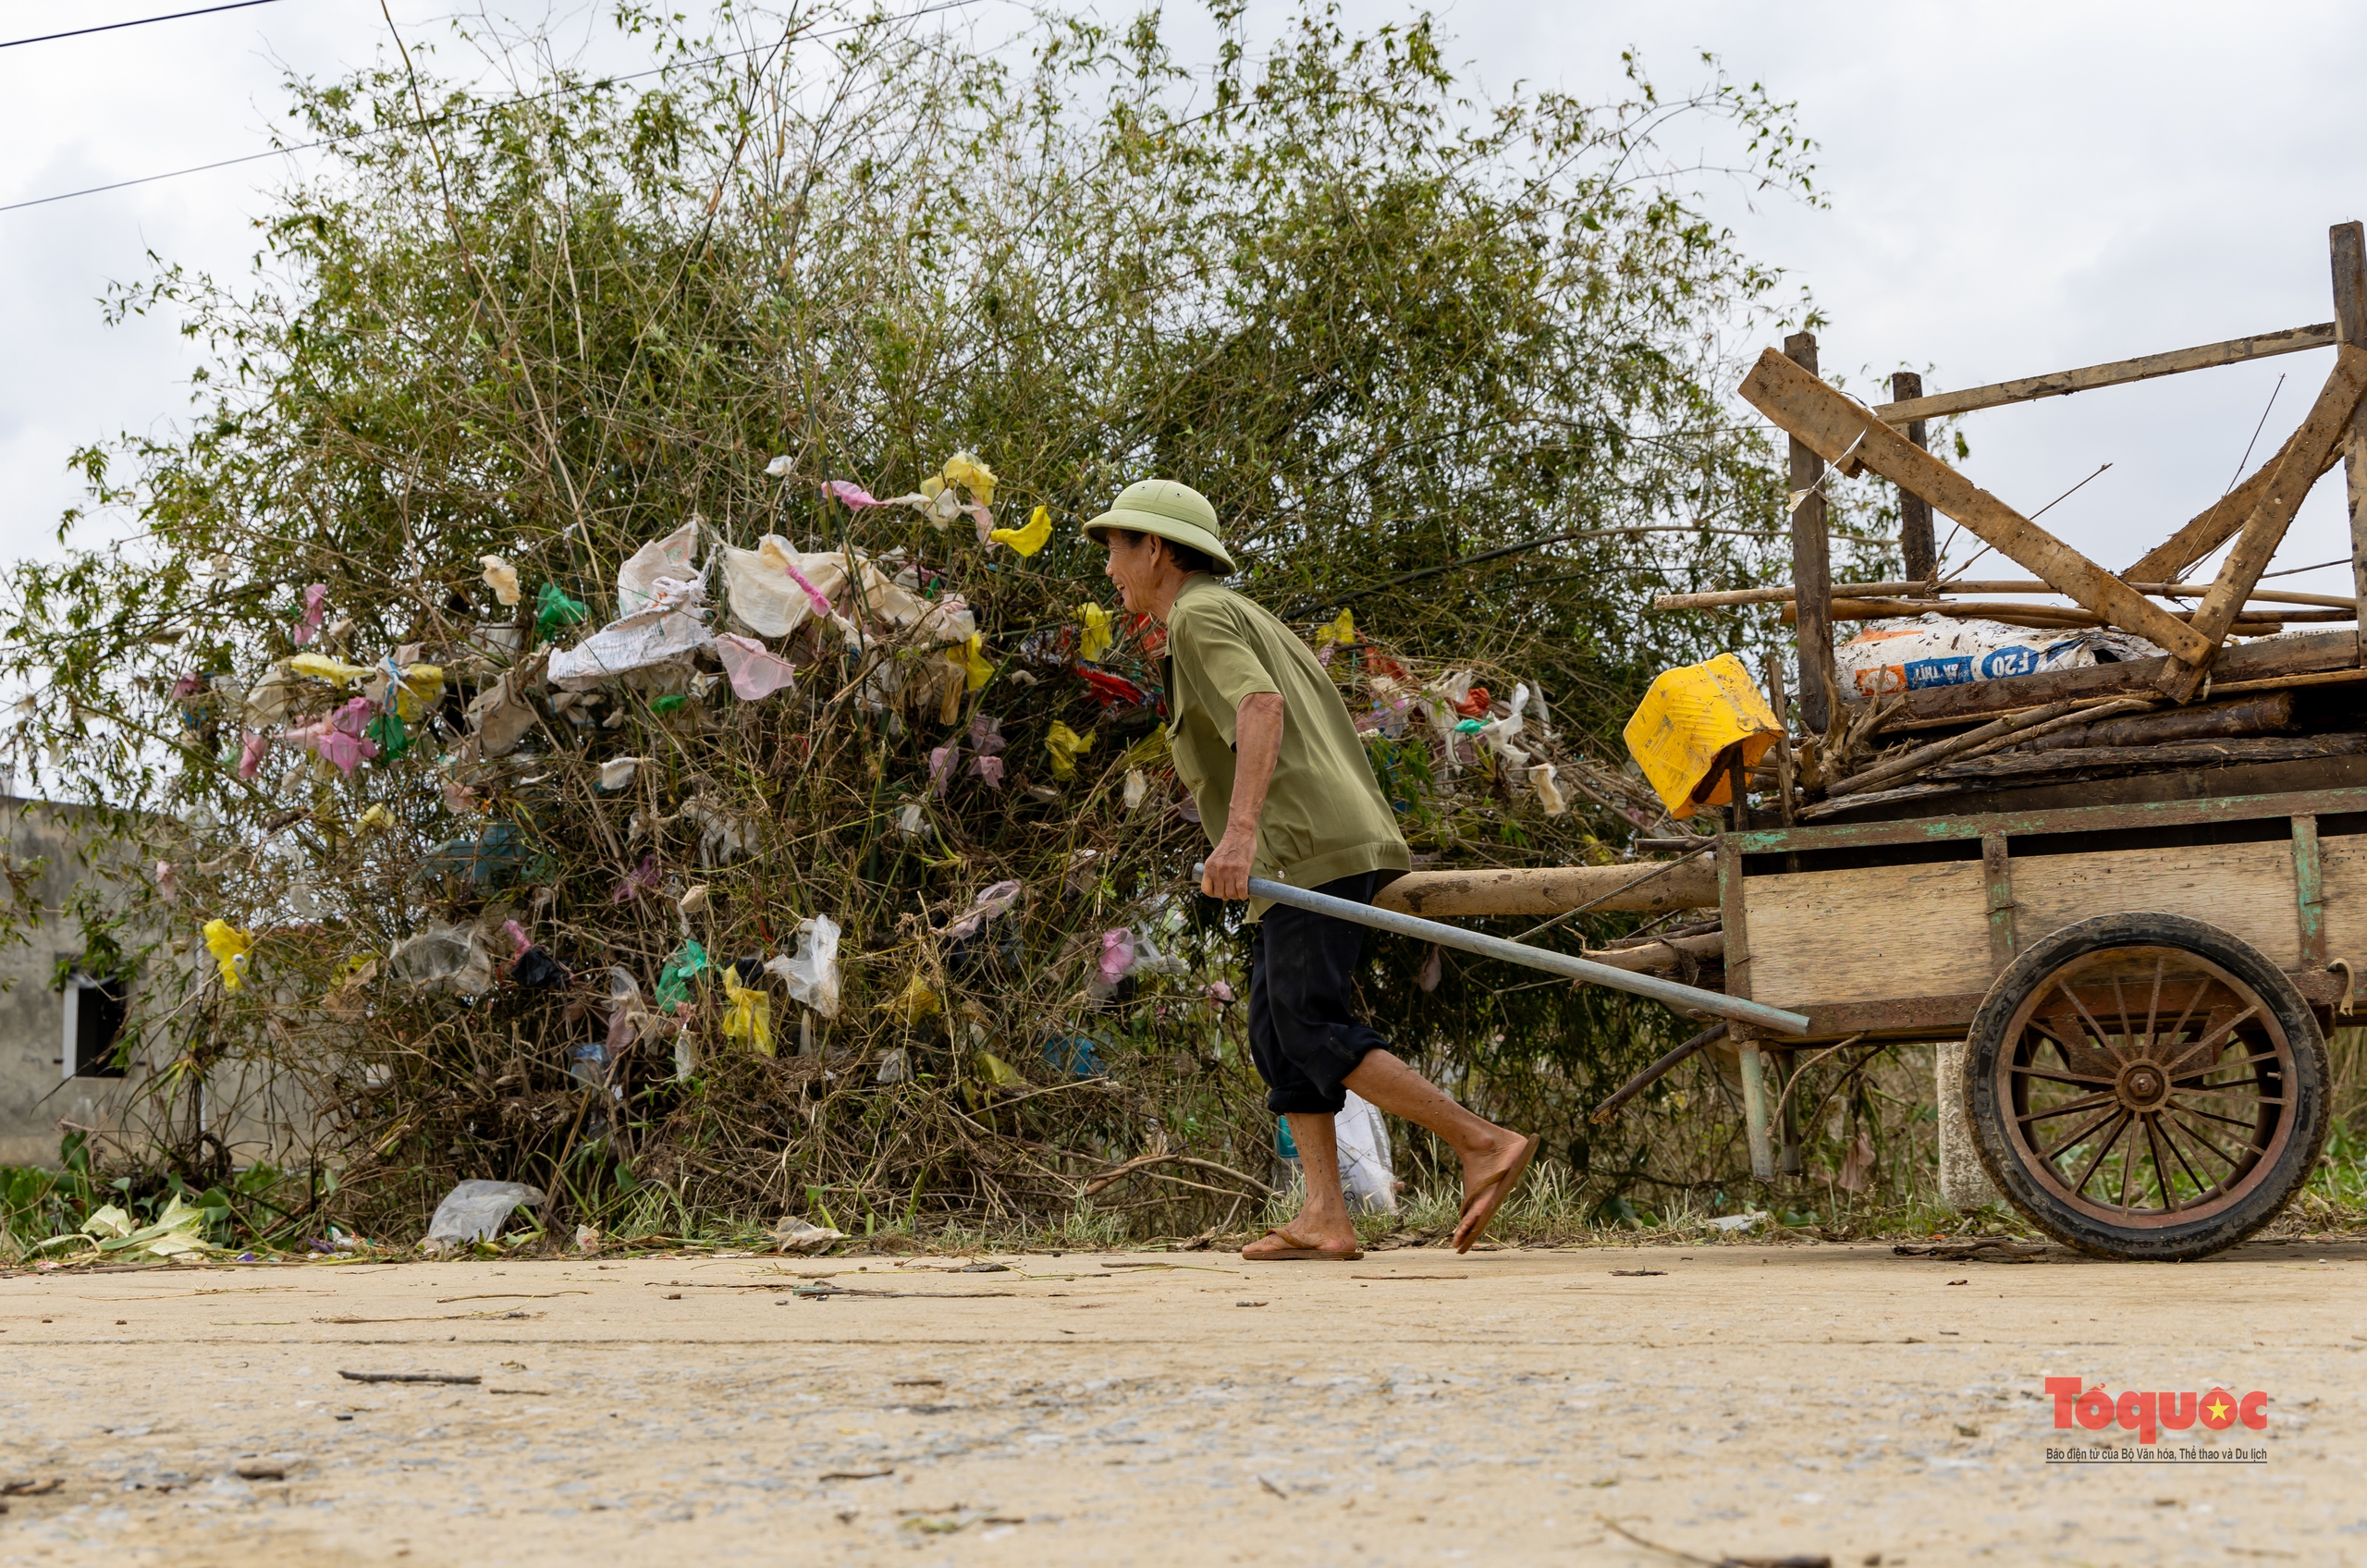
point(327, 668)
point(1097, 639)
point(1066, 746)
point(750, 1016)
point(976, 669)
point(916, 1002)
point(1030, 539)
point(229, 947)
point(965, 469)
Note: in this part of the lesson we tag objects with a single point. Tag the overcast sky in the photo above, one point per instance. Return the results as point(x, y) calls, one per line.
point(2012, 188)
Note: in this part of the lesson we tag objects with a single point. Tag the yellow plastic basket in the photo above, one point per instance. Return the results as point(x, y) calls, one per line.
point(1685, 724)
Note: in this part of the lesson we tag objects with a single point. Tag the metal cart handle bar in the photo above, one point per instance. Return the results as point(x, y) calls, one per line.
point(1685, 997)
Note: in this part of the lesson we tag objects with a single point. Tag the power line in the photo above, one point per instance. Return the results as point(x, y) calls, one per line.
point(415, 124)
point(141, 21)
point(198, 168)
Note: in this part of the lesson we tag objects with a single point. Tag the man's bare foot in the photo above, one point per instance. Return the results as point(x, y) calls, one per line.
point(1481, 1166)
point(1489, 1177)
point(1301, 1240)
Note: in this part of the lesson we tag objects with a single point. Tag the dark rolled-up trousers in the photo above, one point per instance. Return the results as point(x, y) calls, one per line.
point(1304, 1032)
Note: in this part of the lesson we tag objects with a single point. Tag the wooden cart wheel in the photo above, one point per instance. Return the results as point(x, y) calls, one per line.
point(2146, 1086)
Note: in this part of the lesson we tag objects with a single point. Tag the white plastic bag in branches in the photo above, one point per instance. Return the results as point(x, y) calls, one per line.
point(812, 975)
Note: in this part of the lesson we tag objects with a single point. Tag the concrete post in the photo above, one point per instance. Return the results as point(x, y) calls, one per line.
point(1964, 1185)
point(1754, 1111)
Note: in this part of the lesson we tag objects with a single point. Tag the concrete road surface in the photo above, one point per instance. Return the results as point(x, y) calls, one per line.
point(1509, 1406)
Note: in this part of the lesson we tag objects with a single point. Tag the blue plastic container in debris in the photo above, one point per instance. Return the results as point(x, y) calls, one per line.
point(1076, 1055)
point(492, 857)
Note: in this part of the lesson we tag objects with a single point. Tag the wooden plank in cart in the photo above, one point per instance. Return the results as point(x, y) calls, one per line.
point(1842, 430)
point(1811, 563)
point(2323, 433)
point(2120, 373)
point(2275, 659)
point(1870, 932)
point(2348, 248)
point(2069, 819)
point(2244, 889)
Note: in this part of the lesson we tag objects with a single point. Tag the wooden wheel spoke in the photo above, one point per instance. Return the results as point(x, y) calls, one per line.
point(2096, 1030)
point(2063, 1048)
point(2213, 1037)
point(2053, 1077)
point(2097, 1159)
point(2154, 1002)
point(2234, 1163)
point(2203, 1189)
point(2068, 1108)
point(2071, 1052)
point(2129, 1164)
point(2238, 1088)
point(2192, 1002)
point(2226, 1120)
point(2081, 1135)
point(2249, 1091)
point(2164, 1182)
point(2179, 1078)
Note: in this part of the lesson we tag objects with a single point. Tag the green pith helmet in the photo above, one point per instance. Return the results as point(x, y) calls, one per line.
point(1170, 509)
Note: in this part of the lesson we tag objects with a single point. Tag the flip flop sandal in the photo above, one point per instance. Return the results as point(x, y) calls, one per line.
point(1505, 1185)
point(1298, 1251)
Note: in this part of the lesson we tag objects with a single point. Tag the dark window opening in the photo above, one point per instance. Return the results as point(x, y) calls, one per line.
point(93, 1018)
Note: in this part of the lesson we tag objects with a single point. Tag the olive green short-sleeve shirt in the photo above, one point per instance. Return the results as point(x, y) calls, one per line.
point(1325, 816)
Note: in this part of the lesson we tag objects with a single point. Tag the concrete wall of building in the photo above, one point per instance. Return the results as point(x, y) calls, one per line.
point(257, 1112)
point(36, 1100)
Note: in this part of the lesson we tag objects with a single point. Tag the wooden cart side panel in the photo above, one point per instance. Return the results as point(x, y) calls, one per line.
point(2244, 889)
point(1896, 932)
point(1869, 934)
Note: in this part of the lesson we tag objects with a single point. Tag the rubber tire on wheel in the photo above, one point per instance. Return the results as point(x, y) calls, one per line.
point(1987, 1114)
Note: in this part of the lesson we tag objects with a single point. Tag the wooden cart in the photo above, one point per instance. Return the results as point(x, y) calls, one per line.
point(2140, 959)
point(2141, 989)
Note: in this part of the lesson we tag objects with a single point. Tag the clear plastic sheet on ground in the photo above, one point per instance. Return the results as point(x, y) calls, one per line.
point(793, 1235)
point(478, 1211)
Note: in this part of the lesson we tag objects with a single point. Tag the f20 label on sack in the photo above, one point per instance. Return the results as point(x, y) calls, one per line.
point(1999, 663)
point(1958, 670)
point(2145, 1412)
